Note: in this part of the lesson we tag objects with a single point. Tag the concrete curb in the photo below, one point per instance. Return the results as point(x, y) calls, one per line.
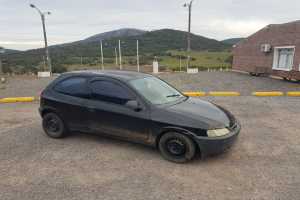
point(293, 94)
point(268, 94)
point(18, 99)
point(224, 94)
point(191, 94)
point(195, 94)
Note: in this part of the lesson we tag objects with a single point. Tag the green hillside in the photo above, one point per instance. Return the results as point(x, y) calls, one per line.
point(201, 60)
point(154, 43)
point(232, 41)
point(7, 51)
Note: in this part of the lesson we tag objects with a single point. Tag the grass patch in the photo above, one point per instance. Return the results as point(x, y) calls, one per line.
point(201, 60)
point(169, 60)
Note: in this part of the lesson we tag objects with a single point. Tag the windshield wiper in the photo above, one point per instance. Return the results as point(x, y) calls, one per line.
point(174, 95)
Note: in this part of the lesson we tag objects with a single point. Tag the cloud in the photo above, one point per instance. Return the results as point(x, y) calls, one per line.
point(20, 25)
point(220, 28)
point(32, 43)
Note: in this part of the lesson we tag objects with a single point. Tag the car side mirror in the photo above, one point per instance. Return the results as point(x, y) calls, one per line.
point(134, 105)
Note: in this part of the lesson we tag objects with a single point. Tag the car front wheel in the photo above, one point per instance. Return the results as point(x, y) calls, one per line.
point(177, 147)
point(54, 126)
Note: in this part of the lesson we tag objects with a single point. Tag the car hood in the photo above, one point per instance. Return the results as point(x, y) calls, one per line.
point(194, 113)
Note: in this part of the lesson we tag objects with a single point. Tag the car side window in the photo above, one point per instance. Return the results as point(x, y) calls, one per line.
point(110, 92)
point(76, 86)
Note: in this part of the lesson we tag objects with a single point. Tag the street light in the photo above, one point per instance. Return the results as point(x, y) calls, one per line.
point(189, 6)
point(42, 14)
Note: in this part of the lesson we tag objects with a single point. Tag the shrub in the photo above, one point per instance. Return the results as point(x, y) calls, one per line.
point(59, 68)
point(229, 59)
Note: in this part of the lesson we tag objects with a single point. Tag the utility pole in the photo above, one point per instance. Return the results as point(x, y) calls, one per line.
point(189, 5)
point(120, 54)
point(116, 54)
point(2, 50)
point(180, 64)
point(44, 64)
point(137, 56)
point(42, 14)
point(1, 71)
point(102, 60)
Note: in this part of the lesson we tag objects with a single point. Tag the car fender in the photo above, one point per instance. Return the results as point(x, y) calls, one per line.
point(175, 129)
point(47, 109)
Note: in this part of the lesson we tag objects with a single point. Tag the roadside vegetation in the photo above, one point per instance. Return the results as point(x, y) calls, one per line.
point(202, 60)
point(166, 45)
point(170, 61)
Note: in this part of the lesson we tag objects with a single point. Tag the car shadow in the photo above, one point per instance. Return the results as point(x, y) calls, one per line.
point(114, 142)
point(142, 149)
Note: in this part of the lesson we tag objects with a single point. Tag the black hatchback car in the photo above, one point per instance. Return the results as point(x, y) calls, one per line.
point(136, 107)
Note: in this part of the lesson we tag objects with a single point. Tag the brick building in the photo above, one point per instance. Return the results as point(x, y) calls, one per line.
point(273, 50)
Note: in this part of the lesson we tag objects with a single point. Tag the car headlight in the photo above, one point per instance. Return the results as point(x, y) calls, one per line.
point(217, 132)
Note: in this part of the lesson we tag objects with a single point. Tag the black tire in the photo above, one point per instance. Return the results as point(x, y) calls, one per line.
point(177, 147)
point(54, 126)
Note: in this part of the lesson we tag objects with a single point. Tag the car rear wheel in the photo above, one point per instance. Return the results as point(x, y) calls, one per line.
point(54, 126)
point(177, 147)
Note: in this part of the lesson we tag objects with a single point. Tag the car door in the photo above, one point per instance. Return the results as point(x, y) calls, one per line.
point(70, 94)
point(109, 114)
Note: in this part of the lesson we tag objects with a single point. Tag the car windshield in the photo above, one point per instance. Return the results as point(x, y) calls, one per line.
point(155, 90)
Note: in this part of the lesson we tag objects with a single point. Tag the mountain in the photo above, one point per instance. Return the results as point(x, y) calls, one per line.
point(8, 51)
point(125, 32)
point(169, 39)
point(152, 43)
point(232, 41)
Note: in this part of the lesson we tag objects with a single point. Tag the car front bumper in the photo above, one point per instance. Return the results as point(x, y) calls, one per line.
point(213, 146)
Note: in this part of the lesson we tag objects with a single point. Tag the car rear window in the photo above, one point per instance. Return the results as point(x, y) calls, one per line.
point(76, 86)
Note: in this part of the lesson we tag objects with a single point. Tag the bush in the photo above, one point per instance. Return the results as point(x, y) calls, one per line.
point(109, 60)
point(229, 59)
point(6, 69)
point(59, 68)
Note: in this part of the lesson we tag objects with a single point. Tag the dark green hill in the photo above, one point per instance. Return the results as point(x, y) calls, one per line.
point(232, 41)
point(124, 32)
point(7, 51)
point(151, 44)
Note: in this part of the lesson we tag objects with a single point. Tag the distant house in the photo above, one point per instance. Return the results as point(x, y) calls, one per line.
point(273, 50)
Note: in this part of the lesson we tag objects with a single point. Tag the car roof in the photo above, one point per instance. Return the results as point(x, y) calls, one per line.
point(117, 74)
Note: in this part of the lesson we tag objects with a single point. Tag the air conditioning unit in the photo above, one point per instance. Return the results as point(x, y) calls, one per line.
point(265, 48)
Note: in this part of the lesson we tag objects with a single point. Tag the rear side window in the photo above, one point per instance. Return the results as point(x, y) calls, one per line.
point(110, 92)
point(76, 86)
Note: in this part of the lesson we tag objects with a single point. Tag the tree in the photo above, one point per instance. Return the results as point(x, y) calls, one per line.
point(229, 59)
point(2, 50)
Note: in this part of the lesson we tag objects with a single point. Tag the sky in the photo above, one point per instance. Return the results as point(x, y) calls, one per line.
point(72, 20)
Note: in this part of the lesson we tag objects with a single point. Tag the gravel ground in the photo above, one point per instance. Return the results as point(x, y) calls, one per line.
point(20, 86)
point(228, 81)
point(263, 164)
point(204, 81)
